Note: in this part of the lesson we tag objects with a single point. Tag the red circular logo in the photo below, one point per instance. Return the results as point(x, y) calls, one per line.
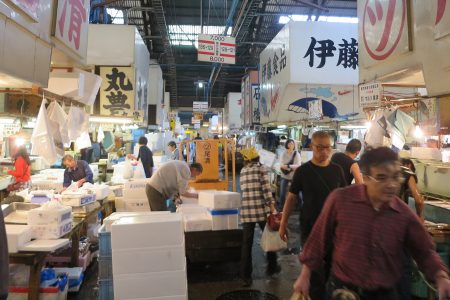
point(383, 23)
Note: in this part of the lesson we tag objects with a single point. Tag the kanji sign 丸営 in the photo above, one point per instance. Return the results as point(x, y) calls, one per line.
point(117, 91)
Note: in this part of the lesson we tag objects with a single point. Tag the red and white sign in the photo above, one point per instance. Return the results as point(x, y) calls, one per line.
point(71, 26)
point(442, 21)
point(30, 7)
point(384, 28)
point(200, 106)
point(217, 48)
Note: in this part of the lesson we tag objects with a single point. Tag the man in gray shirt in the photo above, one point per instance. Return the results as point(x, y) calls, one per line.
point(170, 179)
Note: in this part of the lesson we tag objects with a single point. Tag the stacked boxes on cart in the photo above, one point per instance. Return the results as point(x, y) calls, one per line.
point(134, 196)
point(216, 210)
point(158, 269)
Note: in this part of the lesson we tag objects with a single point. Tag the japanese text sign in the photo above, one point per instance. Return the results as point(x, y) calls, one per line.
point(117, 91)
point(71, 26)
point(216, 48)
point(370, 94)
point(255, 104)
point(200, 106)
point(324, 53)
point(207, 154)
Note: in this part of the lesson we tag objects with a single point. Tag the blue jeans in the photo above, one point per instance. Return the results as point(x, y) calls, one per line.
point(284, 185)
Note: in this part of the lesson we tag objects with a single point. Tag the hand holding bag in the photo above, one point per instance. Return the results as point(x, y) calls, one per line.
point(274, 221)
point(271, 241)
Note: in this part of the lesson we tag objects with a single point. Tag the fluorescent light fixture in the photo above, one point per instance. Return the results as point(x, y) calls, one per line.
point(304, 18)
point(110, 120)
point(200, 84)
point(418, 133)
point(354, 126)
point(20, 142)
point(282, 126)
point(368, 124)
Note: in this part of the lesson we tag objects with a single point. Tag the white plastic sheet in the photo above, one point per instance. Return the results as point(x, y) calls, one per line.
point(77, 122)
point(100, 134)
point(41, 139)
point(57, 114)
point(83, 141)
point(271, 241)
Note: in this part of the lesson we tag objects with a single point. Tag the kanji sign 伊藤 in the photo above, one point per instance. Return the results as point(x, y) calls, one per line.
point(216, 48)
point(71, 26)
point(117, 91)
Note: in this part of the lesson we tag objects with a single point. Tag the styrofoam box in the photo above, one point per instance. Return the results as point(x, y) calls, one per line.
point(147, 260)
point(197, 222)
point(78, 199)
point(148, 285)
point(156, 230)
point(108, 221)
point(40, 216)
point(134, 193)
point(101, 191)
point(224, 219)
point(219, 199)
point(136, 184)
point(17, 236)
point(136, 205)
point(51, 231)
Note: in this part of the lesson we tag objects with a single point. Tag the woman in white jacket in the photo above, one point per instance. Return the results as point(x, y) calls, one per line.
point(289, 161)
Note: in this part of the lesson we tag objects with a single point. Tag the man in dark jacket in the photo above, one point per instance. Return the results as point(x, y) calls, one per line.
point(145, 156)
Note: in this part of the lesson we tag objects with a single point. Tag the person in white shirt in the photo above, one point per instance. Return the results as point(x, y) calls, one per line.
point(289, 161)
point(171, 179)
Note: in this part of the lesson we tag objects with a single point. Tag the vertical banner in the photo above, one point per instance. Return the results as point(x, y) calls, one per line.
point(207, 154)
point(255, 104)
point(71, 26)
point(117, 91)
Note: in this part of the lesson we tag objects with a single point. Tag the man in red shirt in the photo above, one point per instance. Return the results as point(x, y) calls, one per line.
point(368, 228)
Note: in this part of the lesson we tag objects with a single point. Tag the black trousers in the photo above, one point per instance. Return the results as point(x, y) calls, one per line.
point(246, 250)
point(335, 288)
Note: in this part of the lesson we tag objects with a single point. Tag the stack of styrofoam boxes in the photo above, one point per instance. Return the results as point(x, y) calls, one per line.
point(134, 196)
point(148, 255)
point(223, 208)
point(17, 236)
point(195, 217)
point(50, 221)
point(105, 275)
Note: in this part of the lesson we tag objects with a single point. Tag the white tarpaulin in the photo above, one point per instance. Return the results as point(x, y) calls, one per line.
point(77, 122)
point(41, 139)
point(83, 141)
point(57, 119)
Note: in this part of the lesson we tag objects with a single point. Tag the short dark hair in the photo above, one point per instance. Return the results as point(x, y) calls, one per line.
point(172, 144)
point(407, 161)
point(287, 143)
point(142, 140)
point(320, 134)
point(67, 157)
point(353, 146)
point(373, 157)
point(197, 166)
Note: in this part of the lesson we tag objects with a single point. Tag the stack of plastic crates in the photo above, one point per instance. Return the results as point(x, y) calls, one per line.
point(105, 275)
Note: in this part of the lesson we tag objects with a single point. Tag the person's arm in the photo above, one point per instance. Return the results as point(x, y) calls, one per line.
point(287, 208)
point(267, 190)
point(89, 176)
point(183, 177)
point(19, 168)
point(356, 172)
point(417, 197)
point(67, 181)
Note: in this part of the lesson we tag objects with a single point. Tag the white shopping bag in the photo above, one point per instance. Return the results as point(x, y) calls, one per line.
point(41, 139)
point(127, 169)
point(138, 171)
point(271, 241)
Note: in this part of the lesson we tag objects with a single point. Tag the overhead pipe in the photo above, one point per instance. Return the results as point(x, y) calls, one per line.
point(216, 66)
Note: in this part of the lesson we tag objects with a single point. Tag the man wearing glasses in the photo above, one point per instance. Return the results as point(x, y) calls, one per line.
point(315, 180)
point(368, 228)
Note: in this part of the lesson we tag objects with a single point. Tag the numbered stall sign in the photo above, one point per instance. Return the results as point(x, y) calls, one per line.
point(217, 48)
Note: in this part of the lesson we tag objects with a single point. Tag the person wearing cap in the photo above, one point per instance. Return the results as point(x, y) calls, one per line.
point(368, 228)
point(257, 203)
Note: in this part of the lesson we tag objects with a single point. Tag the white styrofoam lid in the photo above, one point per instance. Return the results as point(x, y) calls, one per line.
point(154, 218)
point(16, 229)
point(44, 245)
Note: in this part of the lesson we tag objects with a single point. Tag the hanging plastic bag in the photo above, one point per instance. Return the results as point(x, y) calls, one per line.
point(271, 241)
point(138, 171)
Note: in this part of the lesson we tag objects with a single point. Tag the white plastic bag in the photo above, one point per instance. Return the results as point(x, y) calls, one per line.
point(138, 171)
point(271, 241)
point(127, 169)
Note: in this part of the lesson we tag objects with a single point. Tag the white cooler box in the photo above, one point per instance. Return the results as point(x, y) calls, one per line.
point(108, 221)
point(136, 205)
point(219, 199)
point(148, 260)
point(40, 216)
point(224, 219)
point(17, 236)
point(136, 183)
point(197, 222)
point(76, 199)
point(51, 231)
point(151, 285)
point(157, 230)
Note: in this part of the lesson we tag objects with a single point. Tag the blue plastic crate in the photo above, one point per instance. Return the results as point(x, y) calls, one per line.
point(105, 267)
point(105, 289)
point(105, 241)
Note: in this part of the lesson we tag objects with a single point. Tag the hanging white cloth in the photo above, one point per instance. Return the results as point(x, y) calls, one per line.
point(57, 115)
point(83, 141)
point(41, 139)
point(100, 134)
point(77, 122)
